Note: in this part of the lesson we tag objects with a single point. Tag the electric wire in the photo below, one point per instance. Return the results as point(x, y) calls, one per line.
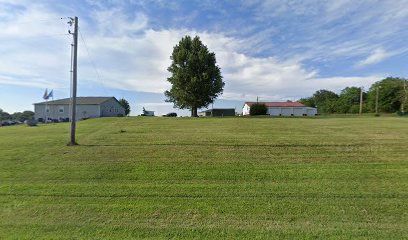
point(100, 80)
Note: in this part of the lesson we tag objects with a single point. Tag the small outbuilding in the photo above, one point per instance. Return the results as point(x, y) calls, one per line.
point(283, 109)
point(217, 112)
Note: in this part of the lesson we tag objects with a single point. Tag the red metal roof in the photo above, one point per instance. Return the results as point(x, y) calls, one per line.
point(278, 104)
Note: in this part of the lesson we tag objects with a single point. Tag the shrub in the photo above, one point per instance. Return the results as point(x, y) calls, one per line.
point(258, 109)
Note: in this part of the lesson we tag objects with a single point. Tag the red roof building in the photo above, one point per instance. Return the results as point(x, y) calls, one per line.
point(278, 104)
point(283, 109)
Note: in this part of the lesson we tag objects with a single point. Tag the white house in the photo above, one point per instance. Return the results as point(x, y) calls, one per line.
point(87, 107)
point(283, 109)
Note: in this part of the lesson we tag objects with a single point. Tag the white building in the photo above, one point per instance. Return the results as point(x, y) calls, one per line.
point(87, 107)
point(283, 109)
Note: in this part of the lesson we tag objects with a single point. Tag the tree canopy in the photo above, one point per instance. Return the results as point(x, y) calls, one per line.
point(325, 100)
point(196, 78)
point(17, 116)
point(349, 100)
point(125, 104)
point(392, 97)
point(258, 109)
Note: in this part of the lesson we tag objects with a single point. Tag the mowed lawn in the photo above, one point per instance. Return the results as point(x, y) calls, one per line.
point(206, 178)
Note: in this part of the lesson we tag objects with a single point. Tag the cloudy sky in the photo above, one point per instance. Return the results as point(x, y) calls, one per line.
point(277, 50)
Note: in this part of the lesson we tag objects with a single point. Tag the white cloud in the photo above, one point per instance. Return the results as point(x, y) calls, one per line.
point(144, 60)
point(130, 55)
point(376, 56)
point(333, 29)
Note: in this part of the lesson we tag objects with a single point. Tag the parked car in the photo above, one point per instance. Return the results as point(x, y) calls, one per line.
point(8, 123)
point(172, 114)
point(31, 122)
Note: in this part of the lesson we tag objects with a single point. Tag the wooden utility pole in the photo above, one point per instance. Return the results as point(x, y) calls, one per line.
point(376, 100)
point(361, 100)
point(74, 80)
point(405, 97)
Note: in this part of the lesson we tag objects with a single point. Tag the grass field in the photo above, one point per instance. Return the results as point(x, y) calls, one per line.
point(267, 178)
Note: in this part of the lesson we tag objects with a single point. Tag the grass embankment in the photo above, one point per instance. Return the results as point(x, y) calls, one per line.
point(206, 178)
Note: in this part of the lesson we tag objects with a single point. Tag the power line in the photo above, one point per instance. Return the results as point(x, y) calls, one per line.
point(35, 21)
point(43, 36)
point(100, 80)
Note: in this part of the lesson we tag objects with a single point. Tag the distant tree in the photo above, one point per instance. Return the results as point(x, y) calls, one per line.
point(349, 100)
point(125, 104)
point(307, 101)
point(4, 115)
point(391, 95)
point(258, 109)
point(325, 101)
point(22, 116)
point(196, 78)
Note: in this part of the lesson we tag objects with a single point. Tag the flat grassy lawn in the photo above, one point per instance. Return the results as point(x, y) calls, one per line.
point(268, 178)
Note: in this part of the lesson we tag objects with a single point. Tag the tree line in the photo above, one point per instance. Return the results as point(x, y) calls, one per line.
point(17, 116)
point(390, 93)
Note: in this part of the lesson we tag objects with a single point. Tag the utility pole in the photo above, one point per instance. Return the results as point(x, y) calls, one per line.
point(361, 100)
point(212, 108)
point(405, 97)
point(376, 100)
point(74, 78)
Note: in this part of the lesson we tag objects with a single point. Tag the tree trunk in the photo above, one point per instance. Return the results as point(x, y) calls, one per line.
point(194, 112)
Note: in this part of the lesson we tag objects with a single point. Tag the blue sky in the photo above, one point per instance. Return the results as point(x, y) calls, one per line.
point(277, 50)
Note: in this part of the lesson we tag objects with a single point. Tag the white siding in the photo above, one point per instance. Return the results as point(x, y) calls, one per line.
point(111, 108)
point(299, 111)
point(245, 110)
point(311, 111)
point(274, 111)
point(286, 111)
point(82, 111)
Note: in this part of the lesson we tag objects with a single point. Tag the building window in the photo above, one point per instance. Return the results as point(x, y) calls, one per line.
point(61, 109)
point(47, 109)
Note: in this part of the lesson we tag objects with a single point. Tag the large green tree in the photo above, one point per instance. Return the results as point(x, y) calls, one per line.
point(349, 100)
point(196, 78)
point(325, 101)
point(391, 95)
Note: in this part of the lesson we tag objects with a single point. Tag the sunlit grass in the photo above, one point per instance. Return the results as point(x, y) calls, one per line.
point(206, 178)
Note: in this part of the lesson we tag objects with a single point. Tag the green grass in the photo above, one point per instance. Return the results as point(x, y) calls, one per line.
point(211, 178)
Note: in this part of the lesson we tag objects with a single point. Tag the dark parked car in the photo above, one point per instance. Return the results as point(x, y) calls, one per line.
point(172, 114)
point(8, 123)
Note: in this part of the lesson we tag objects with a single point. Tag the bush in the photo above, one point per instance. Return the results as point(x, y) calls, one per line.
point(402, 114)
point(258, 109)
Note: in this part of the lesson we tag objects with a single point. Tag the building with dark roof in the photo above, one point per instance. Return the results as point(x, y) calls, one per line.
point(87, 107)
point(217, 112)
point(283, 109)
